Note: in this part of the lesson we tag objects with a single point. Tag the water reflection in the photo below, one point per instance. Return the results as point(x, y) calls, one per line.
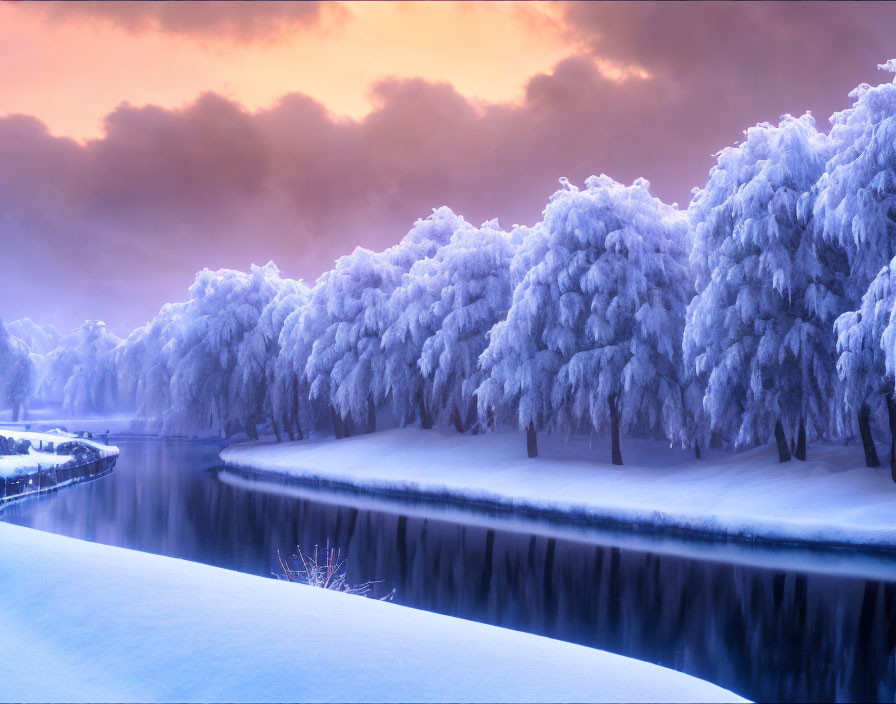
point(768, 634)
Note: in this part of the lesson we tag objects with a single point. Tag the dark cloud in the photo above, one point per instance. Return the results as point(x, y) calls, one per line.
point(241, 20)
point(744, 61)
point(114, 227)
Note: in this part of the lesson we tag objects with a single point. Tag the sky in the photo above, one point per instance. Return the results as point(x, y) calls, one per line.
point(143, 141)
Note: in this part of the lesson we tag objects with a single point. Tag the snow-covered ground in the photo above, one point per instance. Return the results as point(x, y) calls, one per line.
point(830, 499)
point(11, 465)
point(81, 621)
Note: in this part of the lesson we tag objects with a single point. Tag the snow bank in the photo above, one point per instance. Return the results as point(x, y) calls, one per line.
point(831, 499)
point(11, 465)
point(129, 626)
point(803, 557)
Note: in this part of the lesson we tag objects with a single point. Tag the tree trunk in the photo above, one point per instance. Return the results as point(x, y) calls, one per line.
point(800, 452)
point(295, 418)
point(697, 449)
point(290, 431)
point(16, 407)
point(891, 414)
point(425, 418)
point(371, 416)
point(531, 441)
point(458, 421)
point(338, 426)
point(614, 431)
point(251, 430)
point(781, 439)
point(871, 459)
point(276, 428)
point(472, 415)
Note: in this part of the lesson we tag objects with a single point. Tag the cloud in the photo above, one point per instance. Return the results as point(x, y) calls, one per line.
point(750, 61)
point(114, 227)
point(120, 224)
point(239, 20)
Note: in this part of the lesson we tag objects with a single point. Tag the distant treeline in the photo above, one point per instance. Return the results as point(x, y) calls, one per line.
point(765, 310)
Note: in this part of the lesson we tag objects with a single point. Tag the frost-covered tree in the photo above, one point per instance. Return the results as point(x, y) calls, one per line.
point(204, 351)
point(768, 291)
point(445, 307)
point(40, 341)
point(348, 313)
point(254, 378)
point(592, 336)
point(143, 364)
point(856, 209)
point(201, 365)
point(290, 393)
point(16, 372)
point(886, 281)
point(80, 372)
point(865, 339)
point(856, 202)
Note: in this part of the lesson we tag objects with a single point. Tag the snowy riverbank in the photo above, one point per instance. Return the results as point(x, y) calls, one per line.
point(832, 499)
point(129, 626)
point(49, 461)
point(39, 451)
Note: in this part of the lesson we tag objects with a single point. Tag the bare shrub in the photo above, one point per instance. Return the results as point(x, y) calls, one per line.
point(324, 569)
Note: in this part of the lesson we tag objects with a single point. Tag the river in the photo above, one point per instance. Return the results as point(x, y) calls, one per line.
point(766, 632)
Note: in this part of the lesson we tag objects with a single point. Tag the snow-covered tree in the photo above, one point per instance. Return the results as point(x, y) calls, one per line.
point(856, 202)
point(759, 330)
point(592, 336)
point(204, 350)
point(80, 372)
point(347, 315)
point(143, 364)
point(290, 393)
point(445, 307)
point(17, 372)
point(255, 373)
point(865, 339)
point(856, 209)
point(40, 339)
point(203, 365)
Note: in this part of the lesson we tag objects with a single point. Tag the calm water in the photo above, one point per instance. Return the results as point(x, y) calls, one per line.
point(767, 634)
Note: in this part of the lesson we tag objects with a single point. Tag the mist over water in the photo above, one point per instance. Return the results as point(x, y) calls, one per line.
point(765, 633)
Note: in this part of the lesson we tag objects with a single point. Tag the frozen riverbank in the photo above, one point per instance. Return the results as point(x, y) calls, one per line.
point(170, 630)
point(832, 499)
point(48, 461)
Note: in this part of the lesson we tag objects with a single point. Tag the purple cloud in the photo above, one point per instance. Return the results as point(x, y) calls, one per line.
point(117, 226)
point(240, 20)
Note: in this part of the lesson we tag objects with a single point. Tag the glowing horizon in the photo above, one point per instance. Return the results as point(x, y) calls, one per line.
point(477, 48)
point(190, 135)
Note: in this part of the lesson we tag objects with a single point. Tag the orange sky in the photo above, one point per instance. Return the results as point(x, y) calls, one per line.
point(70, 69)
point(478, 106)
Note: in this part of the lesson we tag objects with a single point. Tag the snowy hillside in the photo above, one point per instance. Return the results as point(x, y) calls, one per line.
point(170, 630)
